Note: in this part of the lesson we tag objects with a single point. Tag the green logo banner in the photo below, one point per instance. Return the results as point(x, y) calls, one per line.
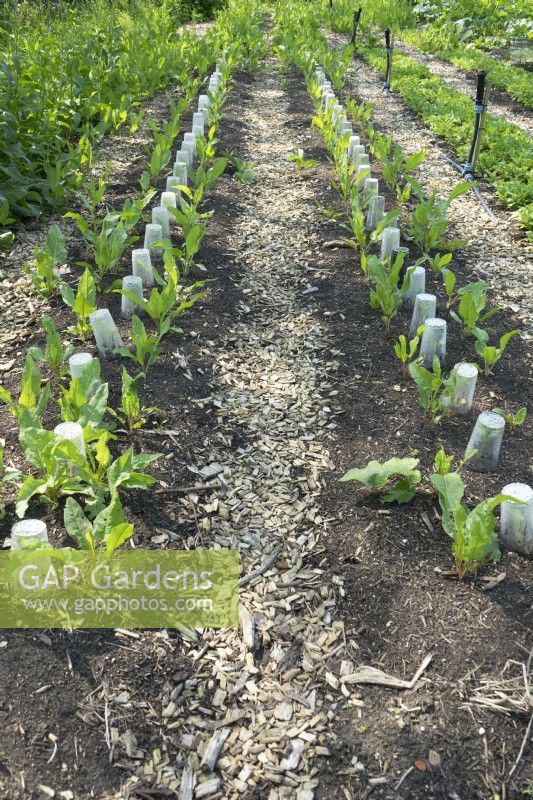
point(46, 588)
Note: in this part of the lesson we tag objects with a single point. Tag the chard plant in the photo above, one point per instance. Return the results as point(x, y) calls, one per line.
point(473, 301)
point(407, 352)
point(513, 420)
point(54, 354)
point(82, 303)
point(108, 235)
point(84, 400)
point(62, 471)
point(299, 160)
point(131, 414)
point(44, 275)
point(435, 391)
point(397, 169)
point(107, 531)
point(428, 222)
point(33, 397)
point(166, 304)
point(146, 347)
point(473, 531)
point(491, 354)
point(376, 475)
point(386, 294)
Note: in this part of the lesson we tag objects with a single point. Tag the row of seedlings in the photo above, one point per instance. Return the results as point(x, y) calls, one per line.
point(85, 369)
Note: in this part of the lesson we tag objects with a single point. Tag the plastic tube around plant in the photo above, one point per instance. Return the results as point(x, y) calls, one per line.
point(354, 141)
point(153, 233)
point(105, 331)
point(371, 188)
point(389, 238)
point(180, 171)
point(363, 160)
point(189, 148)
point(182, 158)
point(77, 363)
point(203, 102)
point(189, 138)
point(198, 119)
point(28, 532)
point(172, 185)
point(160, 216)
point(346, 128)
point(362, 170)
point(141, 266)
point(168, 200)
point(417, 285)
point(433, 341)
point(357, 150)
point(134, 284)
point(465, 387)
point(425, 307)
point(486, 440)
point(516, 525)
point(71, 432)
point(375, 213)
point(197, 130)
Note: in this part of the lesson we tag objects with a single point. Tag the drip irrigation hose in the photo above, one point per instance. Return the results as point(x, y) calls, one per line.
point(356, 18)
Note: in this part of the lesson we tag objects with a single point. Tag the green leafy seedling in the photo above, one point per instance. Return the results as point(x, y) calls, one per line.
point(377, 474)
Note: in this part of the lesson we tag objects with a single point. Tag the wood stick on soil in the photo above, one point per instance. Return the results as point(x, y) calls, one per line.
point(213, 748)
point(187, 782)
point(246, 579)
point(522, 747)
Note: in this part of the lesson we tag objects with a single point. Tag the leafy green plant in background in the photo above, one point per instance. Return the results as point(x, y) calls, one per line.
point(71, 73)
point(33, 397)
point(376, 475)
point(54, 354)
point(44, 274)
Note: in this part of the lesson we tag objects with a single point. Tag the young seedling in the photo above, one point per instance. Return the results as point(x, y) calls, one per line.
point(298, 158)
point(44, 275)
point(82, 304)
point(54, 354)
point(146, 347)
point(377, 474)
point(473, 532)
point(131, 414)
point(435, 392)
point(386, 294)
point(514, 420)
point(408, 352)
point(489, 353)
point(428, 222)
point(33, 398)
point(473, 300)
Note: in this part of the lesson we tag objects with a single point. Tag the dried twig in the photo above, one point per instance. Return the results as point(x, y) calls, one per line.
point(265, 566)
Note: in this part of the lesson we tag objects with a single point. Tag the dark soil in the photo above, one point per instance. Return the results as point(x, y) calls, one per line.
point(400, 599)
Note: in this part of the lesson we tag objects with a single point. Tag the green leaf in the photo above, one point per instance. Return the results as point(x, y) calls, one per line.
point(376, 474)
